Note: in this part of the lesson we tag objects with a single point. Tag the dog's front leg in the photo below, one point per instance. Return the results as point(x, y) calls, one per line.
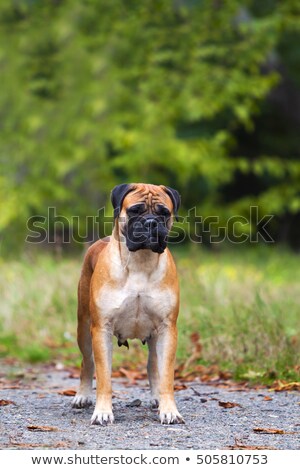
point(166, 351)
point(102, 349)
point(152, 369)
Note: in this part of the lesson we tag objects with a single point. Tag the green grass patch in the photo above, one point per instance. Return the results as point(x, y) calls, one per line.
point(245, 306)
point(243, 303)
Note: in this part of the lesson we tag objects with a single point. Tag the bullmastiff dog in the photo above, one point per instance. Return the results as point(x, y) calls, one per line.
point(129, 288)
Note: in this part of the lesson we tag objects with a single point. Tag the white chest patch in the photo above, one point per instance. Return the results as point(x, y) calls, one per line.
point(137, 309)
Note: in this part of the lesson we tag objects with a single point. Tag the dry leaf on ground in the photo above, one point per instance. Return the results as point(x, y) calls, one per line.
point(272, 431)
point(132, 375)
point(6, 402)
point(283, 386)
point(11, 386)
point(178, 387)
point(240, 445)
point(204, 373)
point(30, 445)
point(34, 428)
point(228, 404)
point(68, 393)
point(244, 447)
point(25, 445)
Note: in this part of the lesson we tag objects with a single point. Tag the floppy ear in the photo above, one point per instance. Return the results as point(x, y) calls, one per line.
point(117, 197)
point(175, 198)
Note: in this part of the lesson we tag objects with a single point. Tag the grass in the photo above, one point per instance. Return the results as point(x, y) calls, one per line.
point(244, 304)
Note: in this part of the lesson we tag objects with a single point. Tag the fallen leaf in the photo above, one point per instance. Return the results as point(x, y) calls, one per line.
point(228, 404)
point(178, 387)
point(210, 378)
point(68, 393)
point(245, 447)
point(6, 402)
point(267, 398)
point(225, 374)
point(30, 445)
point(256, 386)
point(204, 373)
point(12, 387)
point(240, 445)
point(34, 427)
point(117, 374)
point(25, 445)
point(282, 386)
point(132, 375)
point(272, 431)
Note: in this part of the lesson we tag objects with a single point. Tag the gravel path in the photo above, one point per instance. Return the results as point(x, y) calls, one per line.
point(210, 423)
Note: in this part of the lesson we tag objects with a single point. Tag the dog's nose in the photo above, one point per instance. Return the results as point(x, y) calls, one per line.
point(150, 223)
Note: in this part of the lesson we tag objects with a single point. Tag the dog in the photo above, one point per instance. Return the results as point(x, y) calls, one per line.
point(129, 288)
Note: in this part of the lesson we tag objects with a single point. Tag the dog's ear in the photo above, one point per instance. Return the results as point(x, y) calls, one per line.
point(175, 198)
point(117, 197)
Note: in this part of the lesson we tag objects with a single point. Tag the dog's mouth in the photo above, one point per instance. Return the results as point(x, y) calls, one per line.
point(146, 233)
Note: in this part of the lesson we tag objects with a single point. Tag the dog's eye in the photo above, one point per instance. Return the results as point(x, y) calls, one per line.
point(163, 210)
point(136, 209)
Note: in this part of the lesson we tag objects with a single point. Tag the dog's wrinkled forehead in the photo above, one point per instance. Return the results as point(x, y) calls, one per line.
point(148, 194)
point(124, 195)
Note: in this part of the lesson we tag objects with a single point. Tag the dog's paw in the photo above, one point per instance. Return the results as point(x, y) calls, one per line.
point(170, 417)
point(81, 401)
point(102, 417)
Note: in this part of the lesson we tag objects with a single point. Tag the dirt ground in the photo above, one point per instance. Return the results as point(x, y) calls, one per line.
point(36, 413)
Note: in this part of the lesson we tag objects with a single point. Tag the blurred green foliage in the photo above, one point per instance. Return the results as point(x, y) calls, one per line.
point(100, 92)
